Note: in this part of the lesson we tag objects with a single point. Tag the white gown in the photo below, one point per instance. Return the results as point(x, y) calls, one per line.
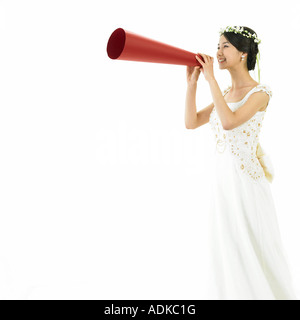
point(248, 261)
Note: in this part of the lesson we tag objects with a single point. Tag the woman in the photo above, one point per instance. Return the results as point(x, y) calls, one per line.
point(248, 260)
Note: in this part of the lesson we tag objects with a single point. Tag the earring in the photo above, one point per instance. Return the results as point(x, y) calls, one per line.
point(243, 58)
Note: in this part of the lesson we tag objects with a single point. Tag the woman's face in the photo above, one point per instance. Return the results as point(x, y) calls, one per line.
point(228, 52)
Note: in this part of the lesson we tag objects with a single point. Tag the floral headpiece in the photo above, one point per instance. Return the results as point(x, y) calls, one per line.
point(247, 34)
point(240, 30)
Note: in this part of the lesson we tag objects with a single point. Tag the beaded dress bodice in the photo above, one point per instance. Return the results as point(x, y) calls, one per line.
point(241, 142)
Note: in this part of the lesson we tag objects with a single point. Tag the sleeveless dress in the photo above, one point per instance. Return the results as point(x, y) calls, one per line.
point(248, 261)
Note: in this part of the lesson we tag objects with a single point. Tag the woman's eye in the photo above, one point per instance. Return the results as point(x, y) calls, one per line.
point(224, 47)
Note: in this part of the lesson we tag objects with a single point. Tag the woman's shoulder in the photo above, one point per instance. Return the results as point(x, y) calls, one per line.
point(264, 88)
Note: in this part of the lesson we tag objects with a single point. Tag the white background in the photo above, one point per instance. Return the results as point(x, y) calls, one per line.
point(103, 191)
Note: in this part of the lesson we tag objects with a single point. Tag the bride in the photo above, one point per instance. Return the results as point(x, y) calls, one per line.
point(248, 261)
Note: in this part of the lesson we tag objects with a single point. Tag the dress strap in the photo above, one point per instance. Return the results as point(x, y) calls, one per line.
point(260, 87)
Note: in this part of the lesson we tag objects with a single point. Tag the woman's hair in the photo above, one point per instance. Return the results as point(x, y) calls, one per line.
point(244, 44)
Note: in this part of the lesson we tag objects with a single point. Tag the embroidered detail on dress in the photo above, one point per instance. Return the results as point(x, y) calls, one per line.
point(241, 141)
point(243, 146)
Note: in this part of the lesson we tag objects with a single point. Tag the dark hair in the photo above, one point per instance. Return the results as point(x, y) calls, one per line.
point(244, 44)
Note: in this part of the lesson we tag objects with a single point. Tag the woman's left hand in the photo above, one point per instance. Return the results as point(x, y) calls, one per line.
point(207, 67)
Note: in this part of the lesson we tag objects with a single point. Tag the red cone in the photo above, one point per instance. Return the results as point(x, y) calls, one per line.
point(126, 45)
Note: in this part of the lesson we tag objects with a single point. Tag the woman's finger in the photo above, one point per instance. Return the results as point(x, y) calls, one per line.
point(197, 56)
point(199, 59)
point(202, 55)
point(206, 58)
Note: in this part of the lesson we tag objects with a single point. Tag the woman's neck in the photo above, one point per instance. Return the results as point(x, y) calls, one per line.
point(240, 78)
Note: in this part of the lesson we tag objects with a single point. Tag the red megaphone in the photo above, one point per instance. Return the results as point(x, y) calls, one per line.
point(126, 45)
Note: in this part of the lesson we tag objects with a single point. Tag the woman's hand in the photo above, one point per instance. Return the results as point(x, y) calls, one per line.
point(207, 66)
point(192, 74)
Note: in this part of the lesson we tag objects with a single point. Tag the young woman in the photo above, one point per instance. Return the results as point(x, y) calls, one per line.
point(248, 259)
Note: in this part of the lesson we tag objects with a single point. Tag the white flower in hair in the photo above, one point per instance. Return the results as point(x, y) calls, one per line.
point(241, 31)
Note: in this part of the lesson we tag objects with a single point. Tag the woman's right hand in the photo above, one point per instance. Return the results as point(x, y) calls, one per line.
point(192, 74)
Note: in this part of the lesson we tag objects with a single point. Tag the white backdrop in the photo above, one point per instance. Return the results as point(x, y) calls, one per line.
point(104, 192)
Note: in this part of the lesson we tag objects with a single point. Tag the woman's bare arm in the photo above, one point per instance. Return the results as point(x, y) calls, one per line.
point(194, 119)
point(190, 106)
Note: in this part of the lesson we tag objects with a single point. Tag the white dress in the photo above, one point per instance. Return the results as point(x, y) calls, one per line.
point(248, 261)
